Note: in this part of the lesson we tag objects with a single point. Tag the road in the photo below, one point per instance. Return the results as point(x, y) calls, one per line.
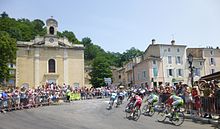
point(86, 114)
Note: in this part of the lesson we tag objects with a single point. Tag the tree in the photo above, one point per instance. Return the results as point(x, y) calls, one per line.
point(4, 15)
point(26, 30)
point(70, 36)
point(100, 70)
point(114, 59)
point(8, 54)
point(91, 51)
point(38, 26)
point(131, 53)
point(86, 41)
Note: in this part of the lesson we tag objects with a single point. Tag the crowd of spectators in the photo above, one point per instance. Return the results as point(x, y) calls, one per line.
point(20, 98)
point(202, 97)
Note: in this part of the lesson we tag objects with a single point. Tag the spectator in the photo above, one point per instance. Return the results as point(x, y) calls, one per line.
point(206, 100)
point(188, 98)
point(4, 101)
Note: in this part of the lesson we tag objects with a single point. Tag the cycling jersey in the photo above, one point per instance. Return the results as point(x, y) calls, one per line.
point(138, 101)
point(177, 101)
point(175, 97)
point(113, 96)
point(121, 94)
point(153, 98)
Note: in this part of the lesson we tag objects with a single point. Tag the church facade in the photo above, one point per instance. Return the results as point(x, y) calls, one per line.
point(49, 59)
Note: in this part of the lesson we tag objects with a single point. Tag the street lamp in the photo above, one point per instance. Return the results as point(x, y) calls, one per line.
point(190, 60)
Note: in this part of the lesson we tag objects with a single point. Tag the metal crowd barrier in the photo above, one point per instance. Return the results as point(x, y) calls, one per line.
point(206, 105)
point(15, 103)
point(12, 103)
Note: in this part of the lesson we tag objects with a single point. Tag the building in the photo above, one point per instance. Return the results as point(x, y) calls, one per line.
point(49, 59)
point(166, 63)
point(129, 71)
point(148, 72)
point(204, 61)
point(87, 70)
point(119, 76)
point(12, 72)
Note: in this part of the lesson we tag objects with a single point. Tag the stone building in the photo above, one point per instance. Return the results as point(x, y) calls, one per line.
point(119, 76)
point(204, 61)
point(161, 63)
point(49, 59)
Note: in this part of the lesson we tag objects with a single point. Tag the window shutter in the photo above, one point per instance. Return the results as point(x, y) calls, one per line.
point(176, 59)
point(182, 72)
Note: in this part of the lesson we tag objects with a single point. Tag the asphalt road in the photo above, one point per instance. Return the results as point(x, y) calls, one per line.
point(86, 114)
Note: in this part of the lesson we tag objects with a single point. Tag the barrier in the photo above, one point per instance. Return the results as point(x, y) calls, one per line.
point(204, 106)
point(75, 96)
point(40, 99)
point(28, 102)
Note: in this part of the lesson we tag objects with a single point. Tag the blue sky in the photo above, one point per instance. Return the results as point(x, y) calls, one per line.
point(118, 25)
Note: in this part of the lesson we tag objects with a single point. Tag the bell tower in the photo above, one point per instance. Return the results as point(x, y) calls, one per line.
point(51, 39)
point(51, 26)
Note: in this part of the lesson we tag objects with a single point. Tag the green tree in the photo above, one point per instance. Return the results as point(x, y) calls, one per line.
point(100, 70)
point(4, 15)
point(22, 29)
point(38, 26)
point(131, 53)
point(70, 36)
point(114, 59)
point(91, 51)
point(8, 54)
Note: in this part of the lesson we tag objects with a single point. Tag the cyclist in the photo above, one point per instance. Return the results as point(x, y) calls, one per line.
point(136, 100)
point(152, 98)
point(177, 102)
point(113, 97)
point(120, 96)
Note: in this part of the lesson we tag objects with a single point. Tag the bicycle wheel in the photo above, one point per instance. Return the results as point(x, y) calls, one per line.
point(110, 104)
point(128, 112)
point(178, 118)
point(136, 114)
point(161, 116)
point(151, 111)
point(145, 109)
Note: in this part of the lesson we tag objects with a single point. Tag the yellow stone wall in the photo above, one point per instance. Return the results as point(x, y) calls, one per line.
point(25, 64)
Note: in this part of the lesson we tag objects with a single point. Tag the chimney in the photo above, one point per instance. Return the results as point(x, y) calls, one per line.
point(173, 42)
point(153, 41)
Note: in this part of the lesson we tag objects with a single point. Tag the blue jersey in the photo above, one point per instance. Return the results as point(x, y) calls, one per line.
point(121, 94)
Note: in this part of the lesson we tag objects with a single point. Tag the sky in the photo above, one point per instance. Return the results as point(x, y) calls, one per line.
point(118, 25)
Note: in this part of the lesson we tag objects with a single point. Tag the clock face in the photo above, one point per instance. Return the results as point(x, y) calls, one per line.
point(51, 40)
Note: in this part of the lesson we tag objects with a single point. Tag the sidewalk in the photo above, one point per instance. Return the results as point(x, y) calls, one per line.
point(213, 120)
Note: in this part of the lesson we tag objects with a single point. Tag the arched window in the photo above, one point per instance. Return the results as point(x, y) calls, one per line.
point(51, 30)
point(51, 65)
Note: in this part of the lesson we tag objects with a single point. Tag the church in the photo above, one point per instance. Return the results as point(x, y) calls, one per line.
point(49, 59)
